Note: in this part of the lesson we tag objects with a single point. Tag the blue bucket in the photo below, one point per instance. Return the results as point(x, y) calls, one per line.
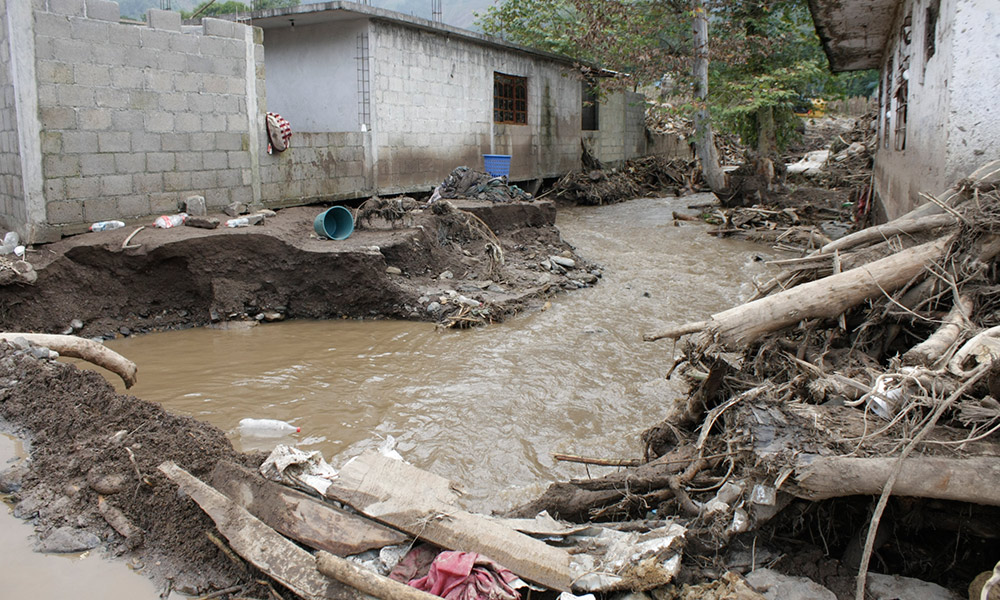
point(497, 165)
point(335, 223)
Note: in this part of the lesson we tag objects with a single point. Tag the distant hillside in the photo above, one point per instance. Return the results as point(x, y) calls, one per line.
point(459, 13)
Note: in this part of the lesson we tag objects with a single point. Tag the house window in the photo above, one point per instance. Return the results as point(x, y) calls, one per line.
point(930, 30)
point(589, 112)
point(901, 97)
point(510, 99)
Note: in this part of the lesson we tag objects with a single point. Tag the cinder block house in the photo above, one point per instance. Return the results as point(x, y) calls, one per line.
point(939, 94)
point(101, 119)
point(393, 103)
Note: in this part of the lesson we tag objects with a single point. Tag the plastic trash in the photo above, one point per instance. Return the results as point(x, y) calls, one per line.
point(267, 427)
point(238, 222)
point(10, 241)
point(168, 221)
point(107, 225)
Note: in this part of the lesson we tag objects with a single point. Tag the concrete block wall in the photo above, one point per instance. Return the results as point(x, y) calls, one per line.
point(433, 109)
point(135, 118)
point(13, 212)
point(317, 166)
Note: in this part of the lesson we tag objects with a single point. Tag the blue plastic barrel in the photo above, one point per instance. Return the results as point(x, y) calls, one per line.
point(335, 223)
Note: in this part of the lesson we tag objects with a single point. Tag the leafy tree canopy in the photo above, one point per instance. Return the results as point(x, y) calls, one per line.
point(765, 55)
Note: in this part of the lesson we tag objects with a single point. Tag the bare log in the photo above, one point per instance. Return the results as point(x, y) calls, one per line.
point(84, 349)
point(824, 298)
point(367, 581)
point(888, 230)
point(967, 479)
point(929, 351)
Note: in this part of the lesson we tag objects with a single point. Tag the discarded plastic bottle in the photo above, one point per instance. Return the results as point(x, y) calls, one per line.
point(107, 225)
point(238, 222)
point(267, 427)
point(168, 221)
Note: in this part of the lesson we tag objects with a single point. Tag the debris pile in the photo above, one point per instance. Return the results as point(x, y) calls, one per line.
point(866, 370)
point(464, 182)
point(636, 177)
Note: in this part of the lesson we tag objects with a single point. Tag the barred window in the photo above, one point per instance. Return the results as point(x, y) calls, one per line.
point(510, 99)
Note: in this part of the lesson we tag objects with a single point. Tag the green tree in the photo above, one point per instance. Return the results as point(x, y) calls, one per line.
point(213, 8)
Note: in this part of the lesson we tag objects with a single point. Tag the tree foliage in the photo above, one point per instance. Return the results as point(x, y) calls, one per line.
point(211, 9)
point(765, 55)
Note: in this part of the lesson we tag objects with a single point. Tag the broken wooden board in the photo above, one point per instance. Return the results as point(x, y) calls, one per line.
point(296, 515)
point(260, 545)
point(425, 505)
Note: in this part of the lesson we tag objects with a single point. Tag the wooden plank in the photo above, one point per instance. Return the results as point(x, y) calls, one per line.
point(425, 505)
point(266, 549)
point(367, 581)
point(294, 514)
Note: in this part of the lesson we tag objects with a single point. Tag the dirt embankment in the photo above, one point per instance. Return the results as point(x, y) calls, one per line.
point(185, 276)
point(91, 447)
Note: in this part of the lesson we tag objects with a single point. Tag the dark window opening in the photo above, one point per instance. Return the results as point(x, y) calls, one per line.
point(589, 113)
point(886, 103)
point(901, 97)
point(930, 30)
point(510, 99)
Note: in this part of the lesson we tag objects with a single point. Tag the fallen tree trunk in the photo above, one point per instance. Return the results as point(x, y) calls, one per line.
point(367, 581)
point(969, 479)
point(84, 349)
point(930, 351)
point(888, 230)
point(824, 298)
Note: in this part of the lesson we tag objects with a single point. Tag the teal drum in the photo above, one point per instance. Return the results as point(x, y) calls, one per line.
point(335, 223)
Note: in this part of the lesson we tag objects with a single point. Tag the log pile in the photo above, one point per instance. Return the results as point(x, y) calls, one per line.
point(866, 369)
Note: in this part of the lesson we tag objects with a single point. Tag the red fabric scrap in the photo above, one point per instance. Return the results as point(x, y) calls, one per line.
point(467, 576)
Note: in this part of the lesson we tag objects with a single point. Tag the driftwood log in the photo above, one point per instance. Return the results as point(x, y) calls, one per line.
point(367, 581)
point(823, 298)
point(84, 349)
point(931, 350)
point(968, 479)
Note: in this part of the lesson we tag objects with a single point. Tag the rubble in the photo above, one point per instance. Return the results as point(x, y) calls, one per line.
point(635, 178)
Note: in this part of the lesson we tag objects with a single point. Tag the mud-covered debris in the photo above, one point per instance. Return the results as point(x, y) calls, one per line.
point(636, 177)
point(464, 182)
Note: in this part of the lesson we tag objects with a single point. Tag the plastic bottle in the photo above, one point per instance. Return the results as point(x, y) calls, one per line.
point(107, 225)
point(267, 427)
point(238, 222)
point(168, 221)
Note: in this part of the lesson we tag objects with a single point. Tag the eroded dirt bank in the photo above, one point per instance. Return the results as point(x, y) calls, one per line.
point(186, 276)
point(95, 453)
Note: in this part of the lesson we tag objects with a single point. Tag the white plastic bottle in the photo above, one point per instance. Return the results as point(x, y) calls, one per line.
point(168, 221)
point(107, 225)
point(267, 427)
point(238, 222)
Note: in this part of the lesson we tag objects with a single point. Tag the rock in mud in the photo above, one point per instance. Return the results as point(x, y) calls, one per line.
point(76, 324)
point(393, 270)
point(194, 206)
point(563, 261)
point(890, 587)
point(236, 209)
point(106, 484)
point(202, 222)
point(67, 539)
point(11, 479)
point(775, 586)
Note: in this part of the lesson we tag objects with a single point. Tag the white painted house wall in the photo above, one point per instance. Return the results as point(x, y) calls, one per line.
point(952, 112)
point(312, 75)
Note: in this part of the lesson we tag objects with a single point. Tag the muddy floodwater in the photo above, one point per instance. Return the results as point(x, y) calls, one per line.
point(485, 407)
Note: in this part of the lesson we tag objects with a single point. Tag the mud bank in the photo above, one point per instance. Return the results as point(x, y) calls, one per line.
point(93, 458)
point(186, 276)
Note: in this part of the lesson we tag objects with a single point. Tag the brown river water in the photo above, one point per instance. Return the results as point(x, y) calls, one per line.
point(485, 407)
